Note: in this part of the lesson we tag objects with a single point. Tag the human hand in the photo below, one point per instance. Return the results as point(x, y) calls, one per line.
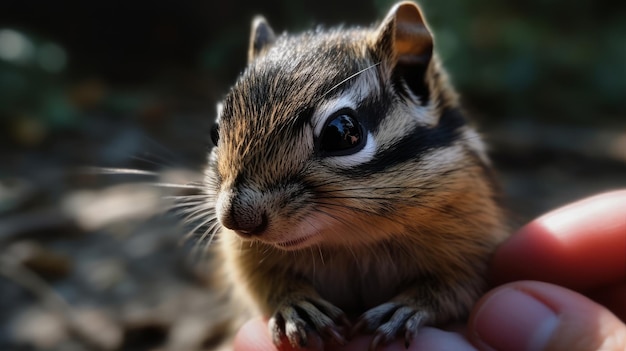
point(580, 247)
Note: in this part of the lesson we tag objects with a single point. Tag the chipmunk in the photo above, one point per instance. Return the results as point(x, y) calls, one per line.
point(347, 186)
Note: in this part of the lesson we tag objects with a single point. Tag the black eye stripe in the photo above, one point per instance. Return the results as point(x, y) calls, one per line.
point(416, 143)
point(342, 134)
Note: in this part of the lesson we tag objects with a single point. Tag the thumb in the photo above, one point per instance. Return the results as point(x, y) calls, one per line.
point(533, 316)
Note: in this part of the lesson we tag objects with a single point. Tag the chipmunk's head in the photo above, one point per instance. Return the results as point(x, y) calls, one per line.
point(340, 137)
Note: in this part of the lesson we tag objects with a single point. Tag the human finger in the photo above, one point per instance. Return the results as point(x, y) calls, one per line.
point(533, 316)
point(253, 336)
point(581, 246)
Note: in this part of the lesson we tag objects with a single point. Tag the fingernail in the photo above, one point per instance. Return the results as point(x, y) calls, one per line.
point(513, 320)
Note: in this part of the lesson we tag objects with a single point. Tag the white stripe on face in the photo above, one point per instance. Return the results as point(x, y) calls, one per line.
point(364, 155)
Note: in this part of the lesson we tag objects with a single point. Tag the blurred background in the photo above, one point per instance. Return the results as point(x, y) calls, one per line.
point(88, 261)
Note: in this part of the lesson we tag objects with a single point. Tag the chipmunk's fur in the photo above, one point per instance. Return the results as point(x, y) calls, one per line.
point(395, 229)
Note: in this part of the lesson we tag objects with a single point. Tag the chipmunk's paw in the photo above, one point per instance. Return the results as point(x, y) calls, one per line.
point(392, 320)
point(295, 318)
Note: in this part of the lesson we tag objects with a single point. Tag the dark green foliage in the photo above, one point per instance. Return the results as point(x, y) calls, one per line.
point(557, 61)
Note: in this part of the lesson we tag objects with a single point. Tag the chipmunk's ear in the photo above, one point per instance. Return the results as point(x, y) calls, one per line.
point(261, 37)
point(404, 46)
point(403, 36)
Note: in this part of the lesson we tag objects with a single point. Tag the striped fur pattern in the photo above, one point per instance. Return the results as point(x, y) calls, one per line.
point(406, 222)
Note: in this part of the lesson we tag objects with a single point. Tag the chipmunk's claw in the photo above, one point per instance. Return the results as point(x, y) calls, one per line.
point(288, 324)
point(295, 318)
point(389, 321)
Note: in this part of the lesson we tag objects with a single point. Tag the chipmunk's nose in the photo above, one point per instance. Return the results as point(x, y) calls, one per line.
point(246, 224)
point(244, 216)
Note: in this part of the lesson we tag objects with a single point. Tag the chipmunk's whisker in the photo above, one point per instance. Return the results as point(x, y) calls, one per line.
point(121, 171)
point(177, 186)
point(349, 78)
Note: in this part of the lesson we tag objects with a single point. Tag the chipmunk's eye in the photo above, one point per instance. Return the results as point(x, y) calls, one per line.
point(215, 133)
point(342, 135)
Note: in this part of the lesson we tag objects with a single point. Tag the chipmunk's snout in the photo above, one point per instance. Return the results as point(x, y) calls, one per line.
point(247, 225)
point(242, 213)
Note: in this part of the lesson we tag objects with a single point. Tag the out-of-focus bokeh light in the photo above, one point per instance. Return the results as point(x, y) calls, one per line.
point(15, 47)
point(51, 57)
point(18, 48)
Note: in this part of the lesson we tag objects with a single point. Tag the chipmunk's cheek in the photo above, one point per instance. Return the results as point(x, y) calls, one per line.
point(295, 244)
point(308, 232)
